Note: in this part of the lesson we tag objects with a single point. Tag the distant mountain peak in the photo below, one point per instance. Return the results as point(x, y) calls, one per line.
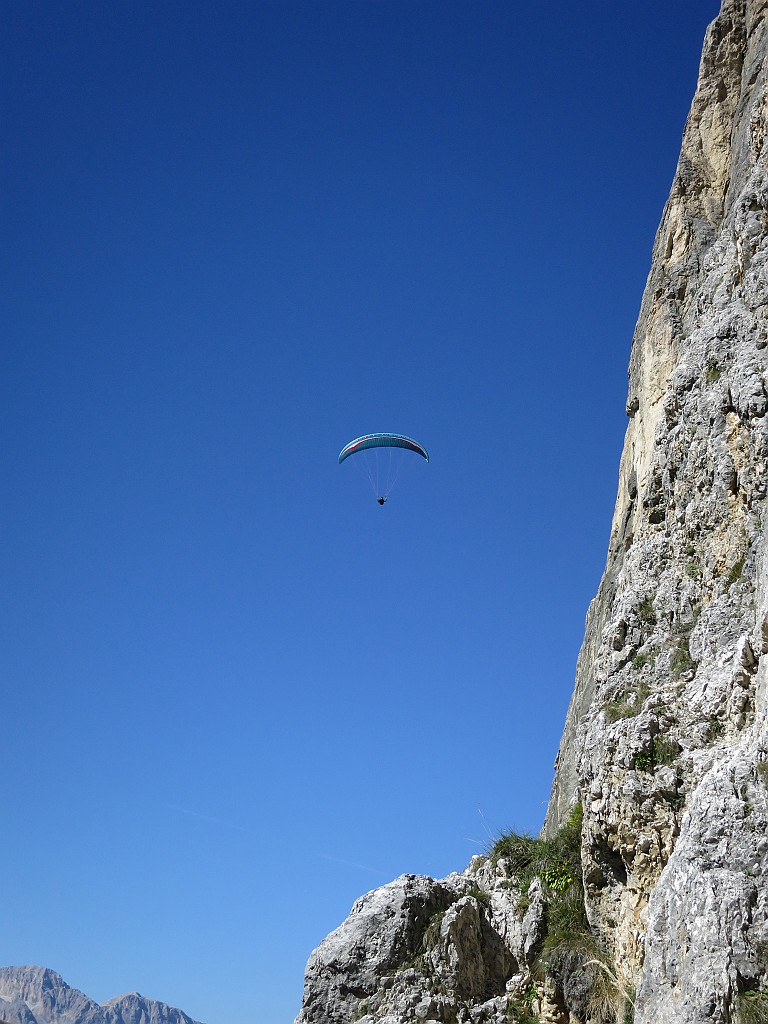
point(38, 995)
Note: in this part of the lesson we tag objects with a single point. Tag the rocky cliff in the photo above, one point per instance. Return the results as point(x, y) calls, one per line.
point(37, 995)
point(646, 897)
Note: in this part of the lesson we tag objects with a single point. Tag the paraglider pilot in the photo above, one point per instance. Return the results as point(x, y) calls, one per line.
point(381, 441)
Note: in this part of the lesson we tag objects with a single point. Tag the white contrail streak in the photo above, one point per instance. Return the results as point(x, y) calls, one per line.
point(354, 864)
point(211, 820)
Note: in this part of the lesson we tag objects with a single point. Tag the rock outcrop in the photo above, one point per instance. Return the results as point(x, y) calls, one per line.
point(665, 747)
point(418, 949)
point(37, 995)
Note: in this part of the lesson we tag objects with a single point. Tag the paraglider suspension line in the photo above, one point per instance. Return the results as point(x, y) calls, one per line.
point(382, 467)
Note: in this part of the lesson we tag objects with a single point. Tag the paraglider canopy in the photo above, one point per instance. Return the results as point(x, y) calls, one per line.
point(380, 461)
point(382, 441)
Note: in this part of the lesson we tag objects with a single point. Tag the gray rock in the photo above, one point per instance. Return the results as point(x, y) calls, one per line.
point(673, 869)
point(420, 949)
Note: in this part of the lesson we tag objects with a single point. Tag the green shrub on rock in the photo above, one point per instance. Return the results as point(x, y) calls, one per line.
point(753, 1007)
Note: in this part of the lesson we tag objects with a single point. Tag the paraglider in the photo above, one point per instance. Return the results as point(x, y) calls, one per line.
point(381, 467)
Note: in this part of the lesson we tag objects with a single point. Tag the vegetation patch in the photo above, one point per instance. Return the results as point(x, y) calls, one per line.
point(600, 991)
point(567, 915)
point(362, 1008)
point(681, 659)
point(627, 706)
point(664, 750)
point(520, 1008)
point(556, 861)
point(661, 750)
point(558, 878)
point(429, 941)
point(482, 896)
point(714, 371)
point(589, 985)
point(432, 931)
point(684, 627)
point(646, 613)
point(715, 729)
point(735, 574)
point(753, 1006)
point(616, 710)
point(641, 660)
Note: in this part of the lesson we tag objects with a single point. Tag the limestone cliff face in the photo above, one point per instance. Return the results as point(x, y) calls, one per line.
point(665, 744)
point(667, 730)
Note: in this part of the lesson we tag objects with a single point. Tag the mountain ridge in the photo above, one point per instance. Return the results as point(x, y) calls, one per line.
point(32, 994)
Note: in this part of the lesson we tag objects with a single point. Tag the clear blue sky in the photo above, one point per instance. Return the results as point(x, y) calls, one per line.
point(237, 692)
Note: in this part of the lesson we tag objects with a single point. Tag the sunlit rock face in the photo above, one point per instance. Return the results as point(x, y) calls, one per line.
point(420, 949)
point(667, 725)
point(665, 744)
point(37, 995)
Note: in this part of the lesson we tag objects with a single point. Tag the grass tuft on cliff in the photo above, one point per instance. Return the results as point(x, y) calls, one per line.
point(556, 861)
point(753, 1007)
point(569, 949)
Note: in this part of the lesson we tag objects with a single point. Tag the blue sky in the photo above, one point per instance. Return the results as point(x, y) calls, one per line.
point(237, 692)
